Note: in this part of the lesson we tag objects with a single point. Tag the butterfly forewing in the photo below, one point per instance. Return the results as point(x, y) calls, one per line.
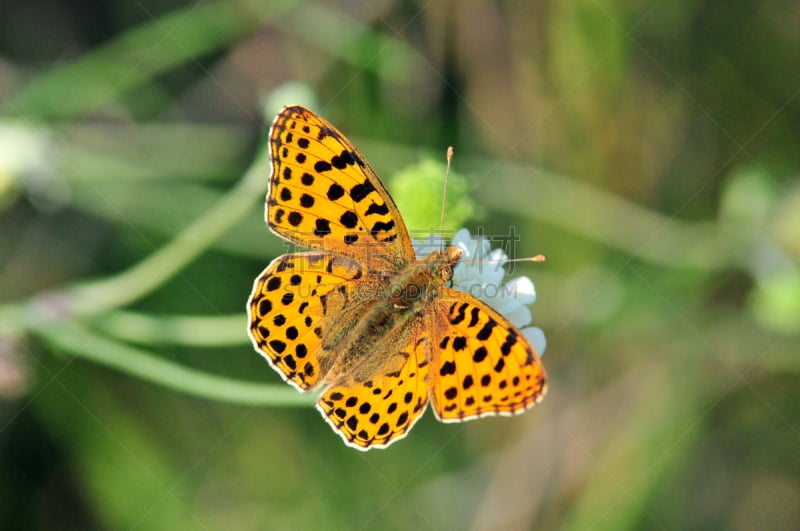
point(483, 365)
point(324, 195)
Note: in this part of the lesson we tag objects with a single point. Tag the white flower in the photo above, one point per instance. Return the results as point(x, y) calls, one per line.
point(480, 273)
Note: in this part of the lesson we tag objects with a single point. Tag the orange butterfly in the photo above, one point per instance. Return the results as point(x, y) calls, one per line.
point(360, 317)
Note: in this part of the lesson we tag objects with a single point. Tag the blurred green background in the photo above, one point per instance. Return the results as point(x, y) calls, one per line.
point(649, 150)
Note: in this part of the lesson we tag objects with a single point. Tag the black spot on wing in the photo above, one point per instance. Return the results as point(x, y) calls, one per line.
point(511, 339)
point(343, 160)
point(273, 283)
point(402, 418)
point(349, 219)
point(486, 331)
point(375, 208)
point(480, 354)
point(448, 367)
point(306, 201)
point(277, 346)
point(460, 314)
point(459, 343)
point(360, 191)
point(381, 226)
point(474, 313)
point(295, 219)
point(468, 381)
point(323, 227)
point(335, 191)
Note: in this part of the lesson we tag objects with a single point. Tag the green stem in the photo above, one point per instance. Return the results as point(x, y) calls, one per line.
point(90, 298)
point(196, 331)
point(77, 340)
point(93, 297)
point(140, 54)
point(602, 216)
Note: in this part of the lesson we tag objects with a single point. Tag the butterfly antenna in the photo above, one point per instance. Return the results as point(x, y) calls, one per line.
point(503, 261)
point(450, 153)
point(537, 258)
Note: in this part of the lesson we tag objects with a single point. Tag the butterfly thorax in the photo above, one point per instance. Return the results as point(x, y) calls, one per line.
point(388, 317)
point(416, 284)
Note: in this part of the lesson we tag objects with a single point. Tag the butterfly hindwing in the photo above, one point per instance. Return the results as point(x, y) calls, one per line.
point(379, 411)
point(286, 311)
point(483, 365)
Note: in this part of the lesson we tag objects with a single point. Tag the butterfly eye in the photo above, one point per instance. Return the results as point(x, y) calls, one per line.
point(446, 272)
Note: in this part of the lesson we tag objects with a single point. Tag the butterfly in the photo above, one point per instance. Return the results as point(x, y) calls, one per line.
point(377, 332)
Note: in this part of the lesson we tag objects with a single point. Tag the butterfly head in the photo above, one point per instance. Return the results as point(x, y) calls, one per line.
point(443, 262)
